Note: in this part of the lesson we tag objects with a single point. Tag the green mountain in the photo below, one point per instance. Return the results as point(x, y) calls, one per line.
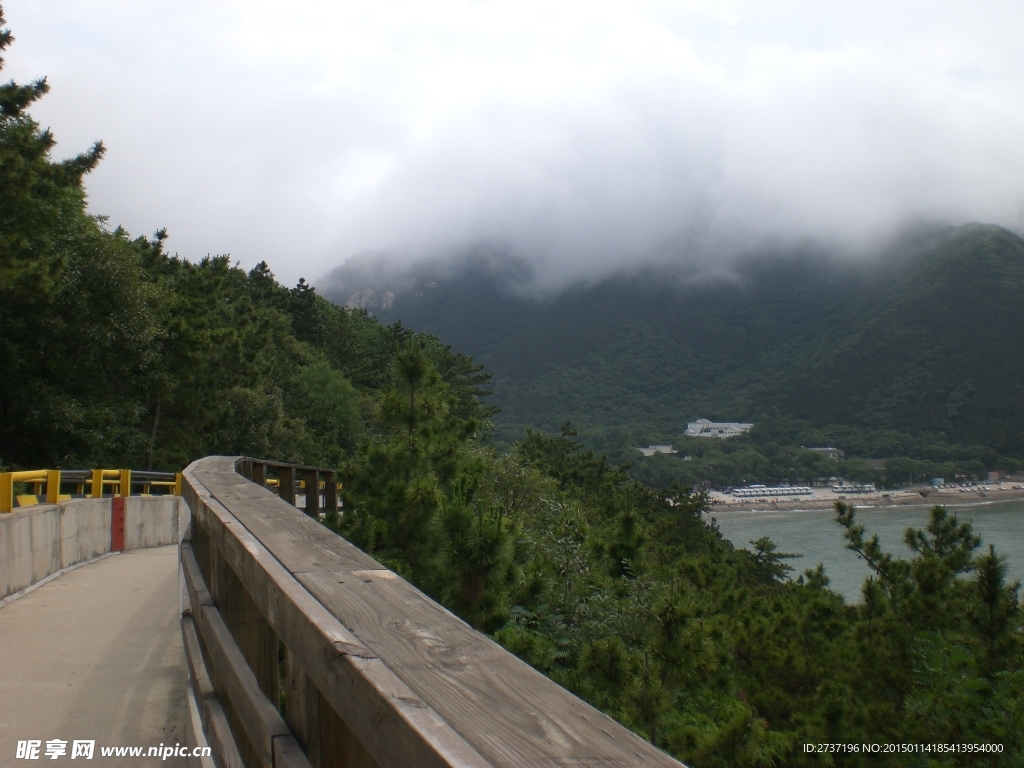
point(911, 355)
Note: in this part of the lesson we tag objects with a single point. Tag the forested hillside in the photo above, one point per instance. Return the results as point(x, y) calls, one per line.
point(117, 353)
point(913, 356)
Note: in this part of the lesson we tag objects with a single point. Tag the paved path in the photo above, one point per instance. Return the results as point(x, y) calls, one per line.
point(96, 654)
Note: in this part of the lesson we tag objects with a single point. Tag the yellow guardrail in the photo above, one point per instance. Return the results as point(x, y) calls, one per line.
point(302, 483)
point(119, 482)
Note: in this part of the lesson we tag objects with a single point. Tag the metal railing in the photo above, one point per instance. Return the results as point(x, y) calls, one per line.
point(87, 483)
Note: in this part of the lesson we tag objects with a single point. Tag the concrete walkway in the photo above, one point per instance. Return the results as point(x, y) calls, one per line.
point(96, 654)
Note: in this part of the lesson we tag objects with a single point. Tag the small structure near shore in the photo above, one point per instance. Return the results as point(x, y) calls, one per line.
point(650, 450)
point(845, 488)
point(719, 429)
point(771, 492)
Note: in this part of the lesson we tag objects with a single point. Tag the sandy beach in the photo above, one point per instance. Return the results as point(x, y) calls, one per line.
point(824, 498)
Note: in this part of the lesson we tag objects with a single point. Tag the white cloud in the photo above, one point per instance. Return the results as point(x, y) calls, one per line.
point(582, 136)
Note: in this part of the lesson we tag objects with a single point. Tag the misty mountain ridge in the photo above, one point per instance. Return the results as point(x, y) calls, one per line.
point(920, 345)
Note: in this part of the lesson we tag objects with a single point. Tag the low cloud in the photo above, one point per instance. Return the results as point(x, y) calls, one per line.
point(581, 139)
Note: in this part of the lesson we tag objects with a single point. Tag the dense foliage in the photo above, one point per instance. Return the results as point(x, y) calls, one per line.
point(632, 600)
point(117, 353)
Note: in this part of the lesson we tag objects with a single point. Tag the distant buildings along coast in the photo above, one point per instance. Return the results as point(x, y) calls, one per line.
point(650, 450)
point(772, 492)
point(719, 429)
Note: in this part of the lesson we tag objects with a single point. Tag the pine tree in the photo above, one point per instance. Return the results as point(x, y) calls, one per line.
point(42, 203)
point(77, 323)
point(396, 484)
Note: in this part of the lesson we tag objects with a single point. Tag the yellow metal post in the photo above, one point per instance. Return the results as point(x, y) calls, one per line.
point(6, 492)
point(126, 483)
point(177, 484)
point(97, 484)
point(52, 486)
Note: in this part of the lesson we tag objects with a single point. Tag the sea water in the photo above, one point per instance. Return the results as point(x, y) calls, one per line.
point(819, 539)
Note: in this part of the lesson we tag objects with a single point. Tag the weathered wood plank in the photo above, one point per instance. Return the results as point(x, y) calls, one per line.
point(388, 719)
point(215, 722)
point(330, 493)
point(508, 711)
point(340, 747)
point(302, 707)
point(503, 711)
point(251, 632)
point(261, 720)
point(301, 543)
point(218, 735)
point(258, 473)
point(199, 595)
point(288, 753)
point(312, 478)
point(286, 484)
point(194, 659)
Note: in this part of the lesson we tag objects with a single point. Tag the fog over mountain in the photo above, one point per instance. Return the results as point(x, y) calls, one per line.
point(579, 138)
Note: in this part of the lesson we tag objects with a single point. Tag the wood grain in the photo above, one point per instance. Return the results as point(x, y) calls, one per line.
point(396, 653)
point(301, 544)
point(508, 711)
point(302, 707)
point(211, 713)
point(394, 725)
point(261, 720)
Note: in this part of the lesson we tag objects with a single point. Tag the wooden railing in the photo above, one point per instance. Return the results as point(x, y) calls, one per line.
point(304, 651)
point(288, 478)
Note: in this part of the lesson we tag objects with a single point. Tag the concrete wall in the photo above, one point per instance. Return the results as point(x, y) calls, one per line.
point(40, 540)
point(85, 530)
point(153, 521)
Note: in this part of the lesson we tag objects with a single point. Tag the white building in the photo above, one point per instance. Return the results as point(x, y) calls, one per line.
point(650, 450)
point(761, 491)
point(720, 429)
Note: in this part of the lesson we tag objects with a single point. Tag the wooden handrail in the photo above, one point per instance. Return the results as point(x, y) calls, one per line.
point(257, 470)
point(374, 672)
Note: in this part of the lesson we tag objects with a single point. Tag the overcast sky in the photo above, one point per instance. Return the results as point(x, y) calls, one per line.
point(580, 136)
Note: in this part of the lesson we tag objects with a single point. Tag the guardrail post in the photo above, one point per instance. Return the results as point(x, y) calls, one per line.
point(6, 492)
point(302, 708)
point(286, 488)
point(258, 473)
point(52, 486)
point(97, 484)
point(177, 484)
point(330, 492)
point(312, 493)
point(125, 483)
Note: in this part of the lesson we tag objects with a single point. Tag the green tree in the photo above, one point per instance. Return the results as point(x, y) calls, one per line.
point(396, 483)
point(78, 325)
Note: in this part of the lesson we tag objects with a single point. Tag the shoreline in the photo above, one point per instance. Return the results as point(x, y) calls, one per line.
point(878, 500)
